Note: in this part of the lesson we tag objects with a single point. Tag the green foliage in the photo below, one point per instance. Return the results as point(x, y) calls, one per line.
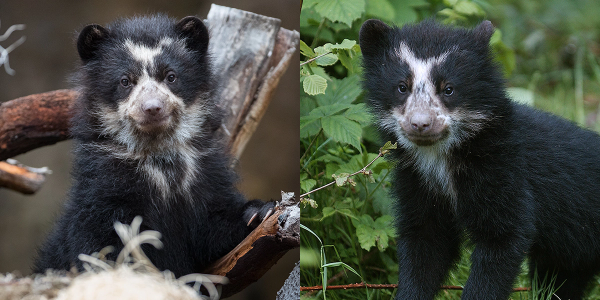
point(550, 62)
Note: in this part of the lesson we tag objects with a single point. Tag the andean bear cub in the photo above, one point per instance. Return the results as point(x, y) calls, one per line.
point(470, 163)
point(145, 144)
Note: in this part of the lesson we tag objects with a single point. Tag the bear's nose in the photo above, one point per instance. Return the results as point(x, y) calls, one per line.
point(152, 106)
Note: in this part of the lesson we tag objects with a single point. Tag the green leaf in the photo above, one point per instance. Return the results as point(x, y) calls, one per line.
point(366, 236)
point(469, 8)
point(307, 105)
point(345, 44)
point(341, 179)
point(327, 212)
point(308, 184)
point(314, 84)
point(381, 9)
point(374, 233)
point(308, 3)
point(309, 125)
point(406, 12)
point(329, 110)
point(309, 20)
point(321, 72)
point(341, 91)
point(356, 163)
point(451, 15)
point(389, 146)
point(312, 232)
point(326, 60)
point(344, 11)
point(358, 113)
point(306, 50)
point(342, 130)
point(350, 60)
point(337, 264)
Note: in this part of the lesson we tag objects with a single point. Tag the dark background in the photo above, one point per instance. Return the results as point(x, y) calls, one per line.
point(44, 62)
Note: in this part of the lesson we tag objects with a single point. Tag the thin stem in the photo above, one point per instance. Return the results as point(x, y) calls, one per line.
point(314, 58)
point(359, 171)
point(311, 143)
point(314, 42)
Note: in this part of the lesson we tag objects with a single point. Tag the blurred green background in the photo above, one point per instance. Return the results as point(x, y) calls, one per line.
point(549, 50)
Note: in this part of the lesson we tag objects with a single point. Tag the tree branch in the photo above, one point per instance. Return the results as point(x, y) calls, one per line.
point(20, 178)
point(34, 121)
point(256, 254)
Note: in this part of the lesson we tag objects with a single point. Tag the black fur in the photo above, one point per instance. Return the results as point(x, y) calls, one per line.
point(198, 225)
point(526, 182)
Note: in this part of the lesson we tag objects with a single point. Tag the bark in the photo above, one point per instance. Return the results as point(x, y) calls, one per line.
point(256, 254)
point(34, 121)
point(20, 179)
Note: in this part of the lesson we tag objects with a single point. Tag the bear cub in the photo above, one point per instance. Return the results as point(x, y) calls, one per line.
point(145, 144)
point(472, 164)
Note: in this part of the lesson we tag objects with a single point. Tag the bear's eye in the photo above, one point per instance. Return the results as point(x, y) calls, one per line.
point(125, 81)
point(171, 76)
point(448, 90)
point(402, 88)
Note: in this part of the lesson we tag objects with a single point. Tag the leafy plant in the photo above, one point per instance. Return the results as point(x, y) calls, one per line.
point(351, 217)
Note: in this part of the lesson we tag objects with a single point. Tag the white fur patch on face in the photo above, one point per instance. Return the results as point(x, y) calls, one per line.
point(423, 94)
point(430, 161)
point(145, 54)
point(151, 150)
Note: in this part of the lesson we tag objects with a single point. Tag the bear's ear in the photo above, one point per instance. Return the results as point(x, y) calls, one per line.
point(194, 32)
point(373, 36)
point(483, 32)
point(89, 41)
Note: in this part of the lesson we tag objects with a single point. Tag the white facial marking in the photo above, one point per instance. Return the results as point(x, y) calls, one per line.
point(149, 150)
point(144, 53)
point(423, 94)
point(430, 161)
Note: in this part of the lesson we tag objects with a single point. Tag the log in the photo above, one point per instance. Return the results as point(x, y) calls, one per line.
point(34, 121)
point(260, 250)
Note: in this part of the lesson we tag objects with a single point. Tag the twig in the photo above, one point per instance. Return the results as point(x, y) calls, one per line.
point(275, 236)
point(385, 286)
point(5, 51)
point(20, 179)
point(314, 58)
point(359, 171)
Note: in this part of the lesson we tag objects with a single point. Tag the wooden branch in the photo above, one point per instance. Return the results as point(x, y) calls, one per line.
point(282, 55)
point(258, 53)
point(20, 179)
point(260, 250)
point(34, 121)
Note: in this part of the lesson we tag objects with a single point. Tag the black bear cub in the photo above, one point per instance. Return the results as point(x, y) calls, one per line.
point(472, 164)
point(145, 144)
